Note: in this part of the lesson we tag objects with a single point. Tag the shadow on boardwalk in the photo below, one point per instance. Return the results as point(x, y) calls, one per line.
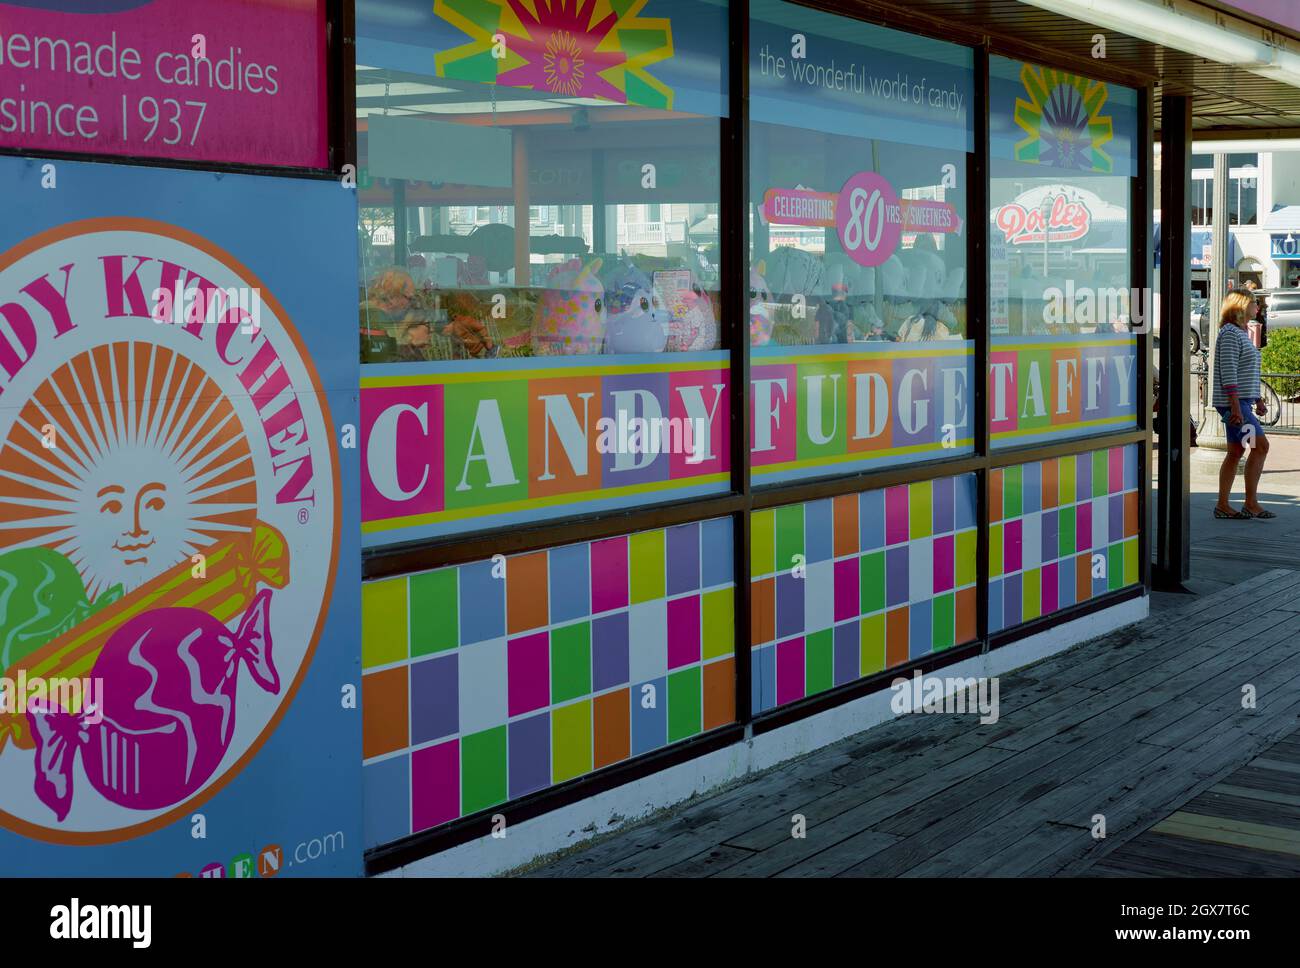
point(1144, 727)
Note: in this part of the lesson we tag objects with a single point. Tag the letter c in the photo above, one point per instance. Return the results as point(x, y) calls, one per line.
point(382, 453)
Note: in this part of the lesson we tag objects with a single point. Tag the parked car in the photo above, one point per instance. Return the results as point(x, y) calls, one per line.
point(1282, 307)
point(1198, 323)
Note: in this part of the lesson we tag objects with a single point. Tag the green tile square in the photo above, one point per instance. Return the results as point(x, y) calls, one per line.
point(873, 643)
point(1131, 562)
point(383, 622)
point(1100, 473)
point(995, 550)
point(762, 543)
point(434, 612)
point(645, 552)
point(718, 622)
point(819, 662)
point(1115, 567)
point(1066, 478)
point(1065, 522)
point(967, 552)
point(789, 536)
point(570, 741)
point(684, 704)
point(871, 582)
point(943, 627)
point(482, 770)
point(570, 662)
point(1013, 491)
point(920, 510)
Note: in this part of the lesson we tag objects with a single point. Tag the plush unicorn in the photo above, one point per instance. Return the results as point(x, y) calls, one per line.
point(760, 308)
point(570, 318)
point(693, 325)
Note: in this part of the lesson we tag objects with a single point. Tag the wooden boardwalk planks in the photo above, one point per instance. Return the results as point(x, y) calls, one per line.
point(1145, 726)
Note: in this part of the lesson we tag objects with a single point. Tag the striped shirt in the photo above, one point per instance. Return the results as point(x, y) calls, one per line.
point(1236, 366)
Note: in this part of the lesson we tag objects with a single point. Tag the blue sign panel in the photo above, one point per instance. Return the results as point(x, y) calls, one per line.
point(179, 549)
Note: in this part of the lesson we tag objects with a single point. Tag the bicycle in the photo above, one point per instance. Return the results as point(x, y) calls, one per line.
point(1272, 401)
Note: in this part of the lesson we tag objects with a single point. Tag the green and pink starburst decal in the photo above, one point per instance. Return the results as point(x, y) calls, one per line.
point(571, 48)
point(1063, 121)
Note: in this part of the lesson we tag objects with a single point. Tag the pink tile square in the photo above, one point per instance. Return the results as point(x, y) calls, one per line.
point(848, 594)
point(944, 563)
point(435, 785)
point(1083, 526)
point(608, 574)
point(789, 671)
point(1012, 539)
point(1051, 593)
point(1116, 457)
point(683, 631)
point(528, 670)
point(896, 520)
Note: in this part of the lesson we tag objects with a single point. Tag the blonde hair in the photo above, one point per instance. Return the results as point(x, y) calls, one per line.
point(1234, 308)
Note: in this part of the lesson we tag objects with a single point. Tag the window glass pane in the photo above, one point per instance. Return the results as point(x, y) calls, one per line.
point(859, 139)
point(540, 304)
point(1062, 356)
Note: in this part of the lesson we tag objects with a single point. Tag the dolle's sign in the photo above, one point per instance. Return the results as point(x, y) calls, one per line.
point(1065, 221)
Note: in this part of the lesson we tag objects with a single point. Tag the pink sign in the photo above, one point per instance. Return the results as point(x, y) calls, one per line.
point(796, 206)
point(1065, 221)
point(235, 81)
point(869, 219)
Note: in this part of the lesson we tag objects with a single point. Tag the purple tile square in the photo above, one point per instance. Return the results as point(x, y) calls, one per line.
point(896, 576)
point(1083, 526)
point(609, 651)
point(1083, 477)
point(1047, 527)
point(683, 558)
point(435, 694)
point(789, 605)
point(1116, 518)
point(943, 495)
point(529, 753)
point(847, 653)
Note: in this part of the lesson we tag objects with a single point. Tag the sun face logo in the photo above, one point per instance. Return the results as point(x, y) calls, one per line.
point(168, 524)
point(574, 48)
point(1062, 121)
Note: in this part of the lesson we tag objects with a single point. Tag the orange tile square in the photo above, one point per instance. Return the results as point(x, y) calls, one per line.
point(896, 633)
point(1051, 488)
point(966, 617)
point(995, 495)
point(1130, 514)
point(762, 611)
point(1082, 577)
point(527, 594)
point(612, 718)
point(846, 525)
point(719, 693)
point(384, 719)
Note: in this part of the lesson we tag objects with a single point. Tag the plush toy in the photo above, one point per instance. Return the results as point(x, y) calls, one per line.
point(637, 323)
point(693, 325)
point(392, 290)
point(794, 272)
point(760, 308)
point(570, 318)
point(466, 327)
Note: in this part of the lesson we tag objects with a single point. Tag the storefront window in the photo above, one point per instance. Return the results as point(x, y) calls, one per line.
point(1063, 352)
point(540, 304)
point(857, 267)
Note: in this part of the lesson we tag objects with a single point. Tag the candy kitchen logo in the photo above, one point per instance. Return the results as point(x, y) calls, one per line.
point(1063, 221)
point(168, 524)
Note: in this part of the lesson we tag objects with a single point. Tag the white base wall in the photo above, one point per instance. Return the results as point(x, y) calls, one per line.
point(605, 812)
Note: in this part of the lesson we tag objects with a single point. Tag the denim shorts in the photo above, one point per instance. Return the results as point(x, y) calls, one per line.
point(1237, 433)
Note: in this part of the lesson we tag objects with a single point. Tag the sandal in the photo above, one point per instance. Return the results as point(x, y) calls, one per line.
point(1234, 516)
point(1264, 514)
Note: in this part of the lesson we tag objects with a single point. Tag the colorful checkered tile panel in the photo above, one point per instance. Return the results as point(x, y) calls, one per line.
point(1061, 531)
point(491, 680)
point(849, 586)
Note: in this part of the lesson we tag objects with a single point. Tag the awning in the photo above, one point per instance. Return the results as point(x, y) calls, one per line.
point(1201, 243)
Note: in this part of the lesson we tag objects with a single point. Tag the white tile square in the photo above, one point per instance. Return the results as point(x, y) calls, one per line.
point(1031, 541)
point(1100, 523)
point(819, 596)
point(920, 565)
point(648, 640)
point(483, 685)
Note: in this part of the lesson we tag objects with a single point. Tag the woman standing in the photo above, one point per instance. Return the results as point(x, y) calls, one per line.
point(1236, 391)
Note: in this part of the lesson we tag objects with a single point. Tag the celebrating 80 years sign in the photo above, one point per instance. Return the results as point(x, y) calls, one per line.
point(176, 79)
